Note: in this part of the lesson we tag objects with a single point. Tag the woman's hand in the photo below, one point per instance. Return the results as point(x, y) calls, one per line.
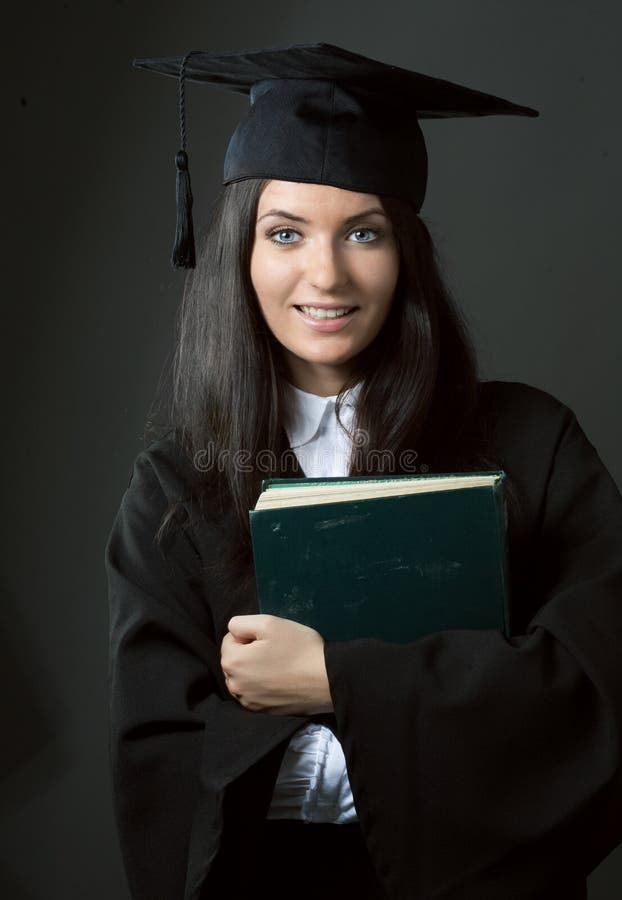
point(275, 665)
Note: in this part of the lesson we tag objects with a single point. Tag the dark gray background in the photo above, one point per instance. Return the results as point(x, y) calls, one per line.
point(527, 218)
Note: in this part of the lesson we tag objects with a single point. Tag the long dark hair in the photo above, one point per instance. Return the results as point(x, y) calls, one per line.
point(419, 393)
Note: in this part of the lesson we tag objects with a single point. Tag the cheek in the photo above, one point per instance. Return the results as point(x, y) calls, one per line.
point(381, 276)
point(270, 276)
point(256, 272)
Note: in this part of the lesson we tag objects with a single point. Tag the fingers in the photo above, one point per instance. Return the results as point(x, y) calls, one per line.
point(227, 661)
point(248, 628)
point(243, 630)
point(230, 687)
point(230, 649)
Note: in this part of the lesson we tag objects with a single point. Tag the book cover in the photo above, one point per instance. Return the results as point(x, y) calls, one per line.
point(392, 567)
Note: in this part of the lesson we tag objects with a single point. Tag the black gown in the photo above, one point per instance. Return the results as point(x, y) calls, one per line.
point(480, 767)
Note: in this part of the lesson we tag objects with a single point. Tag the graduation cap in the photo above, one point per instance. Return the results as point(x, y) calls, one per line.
point(321, 114)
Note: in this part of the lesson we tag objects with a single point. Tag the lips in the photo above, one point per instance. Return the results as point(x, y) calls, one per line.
point(331, 318)
point(325, 312)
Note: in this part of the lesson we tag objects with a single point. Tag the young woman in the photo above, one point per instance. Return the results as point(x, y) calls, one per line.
point(249, 753)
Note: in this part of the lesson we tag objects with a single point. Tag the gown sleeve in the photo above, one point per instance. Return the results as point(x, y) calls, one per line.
point(497, 769)
point(177, 738)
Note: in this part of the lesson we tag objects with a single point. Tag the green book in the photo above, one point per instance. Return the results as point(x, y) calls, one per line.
point(393, 558)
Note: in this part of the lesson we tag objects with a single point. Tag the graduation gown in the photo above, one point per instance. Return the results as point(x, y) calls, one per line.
point(481, 767)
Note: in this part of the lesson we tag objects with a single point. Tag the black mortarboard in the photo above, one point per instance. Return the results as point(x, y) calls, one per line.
point(324, 115)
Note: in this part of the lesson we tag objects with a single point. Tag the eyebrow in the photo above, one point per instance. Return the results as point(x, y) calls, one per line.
point(284, 214)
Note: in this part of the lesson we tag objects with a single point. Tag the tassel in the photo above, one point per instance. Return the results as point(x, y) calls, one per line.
point(183, 249)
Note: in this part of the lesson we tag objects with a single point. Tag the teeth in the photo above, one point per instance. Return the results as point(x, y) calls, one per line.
point(317, 313)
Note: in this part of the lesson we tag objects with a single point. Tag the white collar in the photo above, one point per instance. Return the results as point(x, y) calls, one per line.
point(304, 412)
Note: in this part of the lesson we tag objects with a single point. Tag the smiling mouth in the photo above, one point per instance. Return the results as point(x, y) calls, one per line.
point(316, 312)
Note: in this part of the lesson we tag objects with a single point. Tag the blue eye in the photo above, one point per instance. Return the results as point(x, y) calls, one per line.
point(274, 236)
point(365, 231)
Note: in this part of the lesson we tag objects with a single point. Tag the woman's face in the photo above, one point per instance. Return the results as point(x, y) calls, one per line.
point(324, 266)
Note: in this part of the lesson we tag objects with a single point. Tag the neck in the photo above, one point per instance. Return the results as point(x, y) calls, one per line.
point(324, 381)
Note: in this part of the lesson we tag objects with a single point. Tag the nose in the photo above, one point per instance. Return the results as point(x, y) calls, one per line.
point(326, 266)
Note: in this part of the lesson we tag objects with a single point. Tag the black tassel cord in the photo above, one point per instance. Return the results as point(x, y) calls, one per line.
point(184, 256)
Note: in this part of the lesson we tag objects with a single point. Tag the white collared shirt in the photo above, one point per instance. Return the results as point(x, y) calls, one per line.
point(321, 445)
point(312, 783)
